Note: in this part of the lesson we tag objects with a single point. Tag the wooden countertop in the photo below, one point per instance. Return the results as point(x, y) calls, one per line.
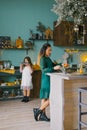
point(68, 76)
point(64, 99)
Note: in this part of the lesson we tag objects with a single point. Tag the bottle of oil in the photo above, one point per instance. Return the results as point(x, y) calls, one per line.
point(19, 42)
point(13, 93)
point(81, 69)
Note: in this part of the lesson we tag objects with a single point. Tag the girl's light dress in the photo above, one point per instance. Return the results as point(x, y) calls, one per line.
point(26, 82)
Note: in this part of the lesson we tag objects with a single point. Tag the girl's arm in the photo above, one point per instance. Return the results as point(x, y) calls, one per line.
point(31, 69)
point(21, 68)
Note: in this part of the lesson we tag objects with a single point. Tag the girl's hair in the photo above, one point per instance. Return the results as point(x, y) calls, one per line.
point(44, 48)
point(29, 60)
point(42, 52)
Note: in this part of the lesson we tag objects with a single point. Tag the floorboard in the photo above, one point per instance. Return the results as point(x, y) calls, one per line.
point(16, 115)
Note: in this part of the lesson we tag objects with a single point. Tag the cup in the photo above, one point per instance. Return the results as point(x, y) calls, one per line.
point(12, 67)
point(1, 67)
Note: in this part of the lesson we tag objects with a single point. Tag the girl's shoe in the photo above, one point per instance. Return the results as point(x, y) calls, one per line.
point(27, 99)
point(24, 98)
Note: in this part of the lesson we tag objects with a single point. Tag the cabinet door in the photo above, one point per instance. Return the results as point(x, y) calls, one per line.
point(82, 35)
point(63, 34)
point(85, 36)
point(36, 84)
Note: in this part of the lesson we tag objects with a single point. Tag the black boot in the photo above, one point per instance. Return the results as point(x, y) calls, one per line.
point(37, 112)
point(27, 99)
point(24, 98)
point(35, 109)
point(43, 117)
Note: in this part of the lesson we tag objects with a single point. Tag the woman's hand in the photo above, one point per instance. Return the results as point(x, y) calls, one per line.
point(57, 67)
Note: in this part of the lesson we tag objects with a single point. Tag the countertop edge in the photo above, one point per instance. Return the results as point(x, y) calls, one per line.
point(68, 76)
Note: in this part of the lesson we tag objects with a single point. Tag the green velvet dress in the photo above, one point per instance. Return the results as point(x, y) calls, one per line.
point(46, 65)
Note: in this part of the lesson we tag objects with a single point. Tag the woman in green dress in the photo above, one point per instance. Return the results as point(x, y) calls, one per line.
point(46, 66)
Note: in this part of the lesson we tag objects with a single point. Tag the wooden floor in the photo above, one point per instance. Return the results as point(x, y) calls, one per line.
point(16, 115)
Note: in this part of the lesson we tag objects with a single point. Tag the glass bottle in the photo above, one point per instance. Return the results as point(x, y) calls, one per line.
point(81, 69)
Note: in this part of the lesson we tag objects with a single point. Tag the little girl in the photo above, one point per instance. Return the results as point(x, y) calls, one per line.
point(26, 83)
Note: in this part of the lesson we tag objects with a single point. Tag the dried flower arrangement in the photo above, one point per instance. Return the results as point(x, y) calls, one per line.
point(75, 10)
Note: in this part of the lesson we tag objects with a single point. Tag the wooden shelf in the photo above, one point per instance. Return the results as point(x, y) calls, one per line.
point(11, 98)
point(40, 40)
point(19, 49)
point(10, 87)
point(16, 48)
point(17, 74)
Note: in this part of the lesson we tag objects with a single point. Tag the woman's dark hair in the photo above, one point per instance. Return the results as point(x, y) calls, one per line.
point(29, 60)
point(44, 48)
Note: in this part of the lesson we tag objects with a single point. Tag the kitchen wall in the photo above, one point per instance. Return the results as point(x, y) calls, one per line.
point(17, 17)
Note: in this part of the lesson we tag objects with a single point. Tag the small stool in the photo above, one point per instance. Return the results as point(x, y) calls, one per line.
point(80, 105)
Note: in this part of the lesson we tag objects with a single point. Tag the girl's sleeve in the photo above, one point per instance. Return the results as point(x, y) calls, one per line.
point(44, 67)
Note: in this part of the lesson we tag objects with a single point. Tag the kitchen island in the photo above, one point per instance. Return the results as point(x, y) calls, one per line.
point(64, 100)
